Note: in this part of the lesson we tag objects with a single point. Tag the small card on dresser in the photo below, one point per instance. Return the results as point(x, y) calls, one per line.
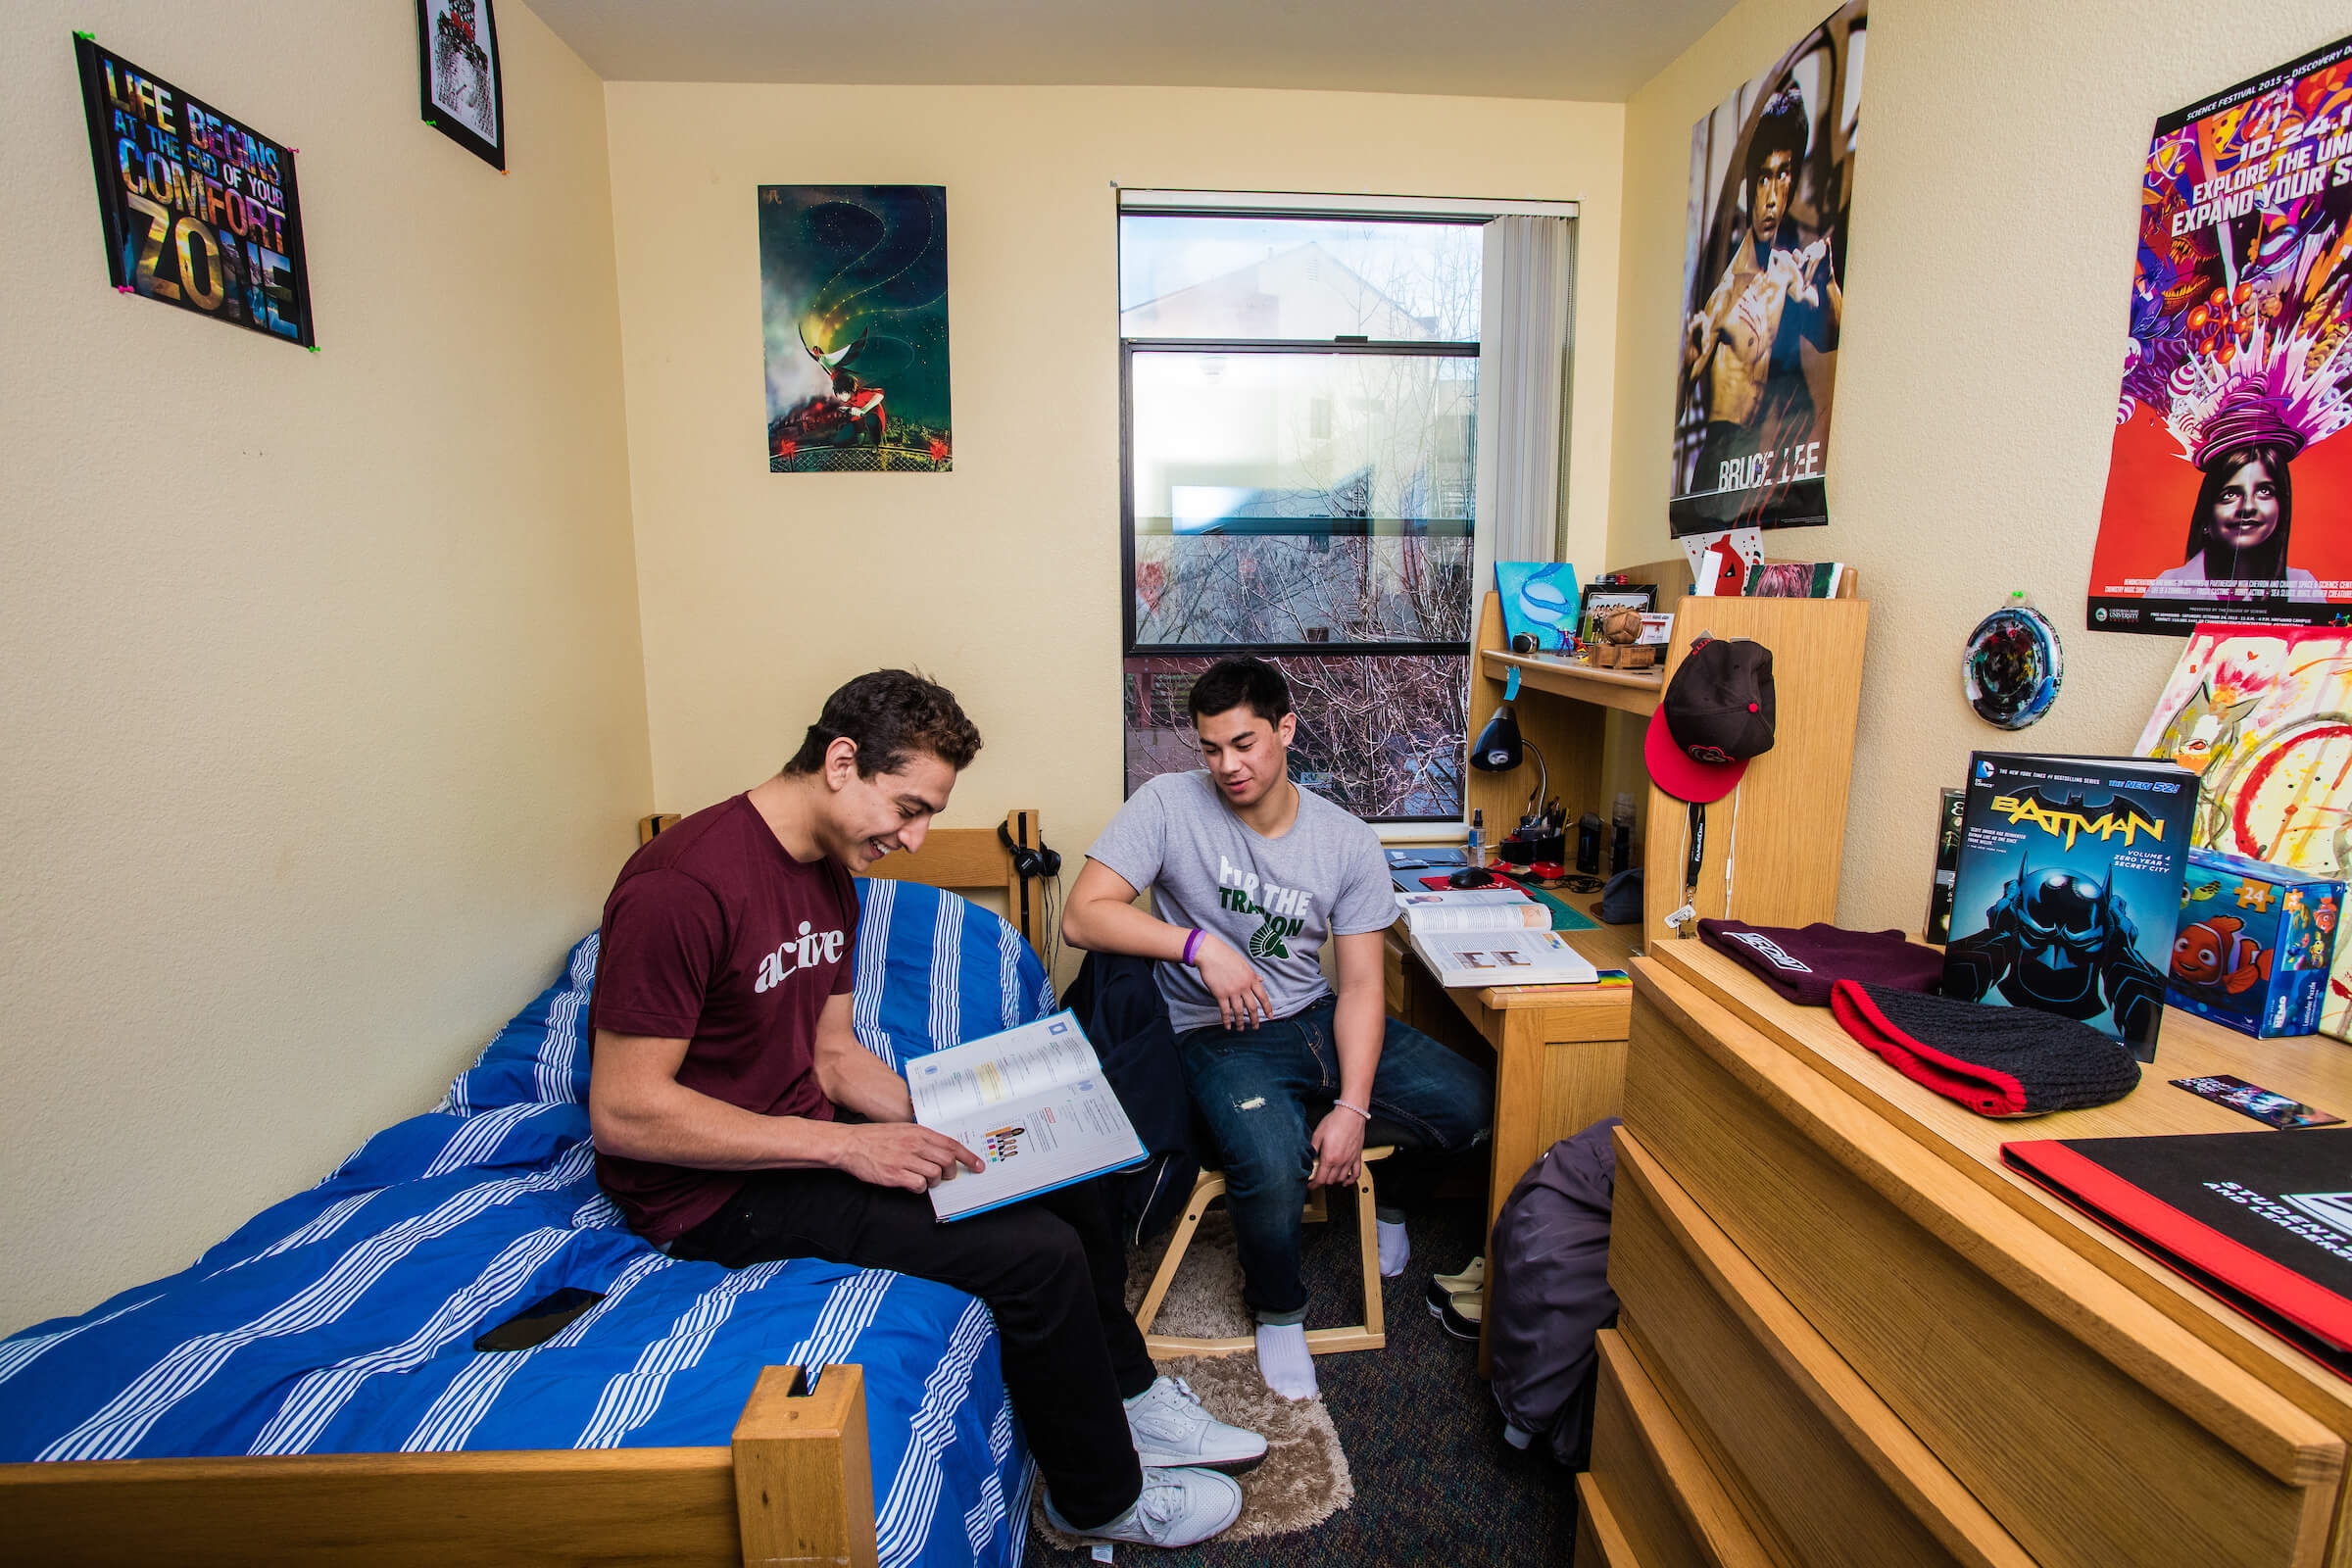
point(2266, 1105)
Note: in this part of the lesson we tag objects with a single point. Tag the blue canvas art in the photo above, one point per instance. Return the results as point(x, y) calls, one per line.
point(1538, 599)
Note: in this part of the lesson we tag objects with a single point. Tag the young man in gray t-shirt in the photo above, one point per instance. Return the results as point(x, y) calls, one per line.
point(1250, 874)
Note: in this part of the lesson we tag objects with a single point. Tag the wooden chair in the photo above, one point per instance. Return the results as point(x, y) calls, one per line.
point(1207, 1187)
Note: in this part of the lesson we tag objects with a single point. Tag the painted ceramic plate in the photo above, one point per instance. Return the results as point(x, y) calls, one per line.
point(2012, 667)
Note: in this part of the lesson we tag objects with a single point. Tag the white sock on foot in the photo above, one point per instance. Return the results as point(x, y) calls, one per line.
point(1283, 1361)
point(1396, 1249)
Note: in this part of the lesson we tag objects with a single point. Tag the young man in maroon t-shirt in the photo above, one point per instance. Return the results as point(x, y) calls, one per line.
point(724, 1050)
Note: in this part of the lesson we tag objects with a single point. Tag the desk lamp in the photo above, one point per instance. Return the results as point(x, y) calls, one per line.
point(1500, 747)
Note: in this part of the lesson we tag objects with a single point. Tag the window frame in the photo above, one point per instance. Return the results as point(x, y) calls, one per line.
point(1300, 206)
point(1128, 348)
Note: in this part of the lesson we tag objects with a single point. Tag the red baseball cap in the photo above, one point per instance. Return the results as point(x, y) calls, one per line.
point(1717, 712)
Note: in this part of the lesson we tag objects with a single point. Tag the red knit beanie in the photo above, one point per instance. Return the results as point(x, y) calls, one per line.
point(1997, 1061)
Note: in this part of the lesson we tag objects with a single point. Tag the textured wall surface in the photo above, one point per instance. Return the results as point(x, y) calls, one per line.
point(1997, 199)
point(325, 723)
point(762, 592)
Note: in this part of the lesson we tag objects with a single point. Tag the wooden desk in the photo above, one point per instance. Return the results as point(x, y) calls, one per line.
point(1848, 1335)
point(1559, 1050)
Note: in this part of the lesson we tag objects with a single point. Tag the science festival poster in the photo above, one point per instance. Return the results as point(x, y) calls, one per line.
point(854, 300)
point(1772, 180)
point(199, 208)
point(2228, 481)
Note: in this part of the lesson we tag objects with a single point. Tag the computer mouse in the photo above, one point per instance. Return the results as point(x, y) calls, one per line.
point(1471, 877)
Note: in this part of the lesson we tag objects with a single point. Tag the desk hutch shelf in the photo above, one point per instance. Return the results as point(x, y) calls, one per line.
point(1559, 1052)
point(1782, 830)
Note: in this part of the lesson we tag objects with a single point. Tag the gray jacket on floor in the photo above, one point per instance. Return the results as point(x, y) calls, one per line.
point(1547, 1285)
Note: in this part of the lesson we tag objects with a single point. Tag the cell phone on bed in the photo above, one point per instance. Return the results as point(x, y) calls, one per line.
point(539, 1322)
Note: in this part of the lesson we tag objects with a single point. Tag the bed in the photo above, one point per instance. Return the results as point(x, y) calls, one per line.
point(308, 1389)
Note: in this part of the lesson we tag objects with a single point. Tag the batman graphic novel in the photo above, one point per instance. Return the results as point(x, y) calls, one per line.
point(2068, 892)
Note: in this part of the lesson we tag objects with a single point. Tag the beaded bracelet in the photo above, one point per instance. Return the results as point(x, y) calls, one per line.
point(1359, 1110)
point(1192, 944)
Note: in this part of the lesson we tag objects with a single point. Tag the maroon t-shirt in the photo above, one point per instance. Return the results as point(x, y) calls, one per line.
point(715, 936)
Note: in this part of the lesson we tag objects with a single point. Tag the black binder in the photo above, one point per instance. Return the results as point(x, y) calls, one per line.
point(2261, 1220)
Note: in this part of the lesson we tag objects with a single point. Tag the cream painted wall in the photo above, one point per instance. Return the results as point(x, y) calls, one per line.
point(323, 691)
point(764, 592)
point(1993, 226)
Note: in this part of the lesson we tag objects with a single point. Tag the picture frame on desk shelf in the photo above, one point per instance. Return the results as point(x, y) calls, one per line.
point(1599, 601)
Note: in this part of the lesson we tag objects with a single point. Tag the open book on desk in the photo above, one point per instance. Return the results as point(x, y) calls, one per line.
point(1473, 909)
point(1033, 1104)
point(1502, 959)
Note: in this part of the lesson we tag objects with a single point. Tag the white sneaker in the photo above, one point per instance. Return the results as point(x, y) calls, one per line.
point(1177, 1508)
point(1171, 1428)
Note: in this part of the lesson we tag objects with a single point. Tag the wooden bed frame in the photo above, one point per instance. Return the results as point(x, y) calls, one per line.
point(975, 857)
point(794, 1487)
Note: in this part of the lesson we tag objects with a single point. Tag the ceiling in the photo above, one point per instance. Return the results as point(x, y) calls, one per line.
point(1597, 50)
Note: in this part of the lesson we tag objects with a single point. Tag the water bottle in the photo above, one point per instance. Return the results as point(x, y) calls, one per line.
point(1621, 835)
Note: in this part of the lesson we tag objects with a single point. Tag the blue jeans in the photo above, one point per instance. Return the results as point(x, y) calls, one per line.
point(1261, 1091)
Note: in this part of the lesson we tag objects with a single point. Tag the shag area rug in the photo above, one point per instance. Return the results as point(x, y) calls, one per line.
point(1303, 1479)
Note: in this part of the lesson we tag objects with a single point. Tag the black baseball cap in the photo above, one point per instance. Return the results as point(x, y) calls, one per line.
point(1717, 713)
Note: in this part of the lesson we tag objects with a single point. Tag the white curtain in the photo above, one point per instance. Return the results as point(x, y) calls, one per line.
point(1522, 391)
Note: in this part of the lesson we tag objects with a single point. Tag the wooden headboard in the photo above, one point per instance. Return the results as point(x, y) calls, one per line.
point(956, 858)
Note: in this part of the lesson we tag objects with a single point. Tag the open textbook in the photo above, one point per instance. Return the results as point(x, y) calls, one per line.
point(1473, 909)
point(1033, 1104)
point(1502, 959)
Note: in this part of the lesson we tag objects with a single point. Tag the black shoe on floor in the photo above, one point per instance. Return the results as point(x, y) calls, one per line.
point(1458, 1315)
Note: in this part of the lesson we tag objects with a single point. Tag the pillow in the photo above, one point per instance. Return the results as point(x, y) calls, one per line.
point(541, 1055)
point(933, 969)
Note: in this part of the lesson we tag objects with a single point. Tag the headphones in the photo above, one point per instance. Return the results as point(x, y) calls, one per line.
point(1028, 864)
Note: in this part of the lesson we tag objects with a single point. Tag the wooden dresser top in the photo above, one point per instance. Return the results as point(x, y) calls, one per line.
point(2312, 1068)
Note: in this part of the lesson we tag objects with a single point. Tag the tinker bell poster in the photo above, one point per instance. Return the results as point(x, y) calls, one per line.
point(2230, 479)
point(854, 300)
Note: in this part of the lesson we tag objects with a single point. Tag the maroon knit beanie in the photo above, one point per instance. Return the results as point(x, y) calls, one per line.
point(1802, 962)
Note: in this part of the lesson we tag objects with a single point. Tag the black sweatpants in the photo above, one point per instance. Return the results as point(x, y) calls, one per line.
point(1054, 1271)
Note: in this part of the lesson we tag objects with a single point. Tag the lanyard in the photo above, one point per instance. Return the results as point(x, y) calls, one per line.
point(1694, 855)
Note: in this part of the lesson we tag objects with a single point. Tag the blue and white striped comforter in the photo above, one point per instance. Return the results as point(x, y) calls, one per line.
point(342, 1320)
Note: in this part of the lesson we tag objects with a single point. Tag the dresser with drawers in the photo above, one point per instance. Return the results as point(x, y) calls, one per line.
point(1850, 1337)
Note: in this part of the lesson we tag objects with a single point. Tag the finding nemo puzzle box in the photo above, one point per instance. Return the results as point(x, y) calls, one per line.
point(2254, 943)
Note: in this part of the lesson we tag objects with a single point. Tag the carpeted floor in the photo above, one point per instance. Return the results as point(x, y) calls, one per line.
point(1433, 1481)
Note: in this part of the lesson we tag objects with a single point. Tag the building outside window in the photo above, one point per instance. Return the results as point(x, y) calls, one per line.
point(1300, 401)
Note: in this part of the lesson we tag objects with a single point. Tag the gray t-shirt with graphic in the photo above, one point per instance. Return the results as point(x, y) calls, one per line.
point(1275, 900)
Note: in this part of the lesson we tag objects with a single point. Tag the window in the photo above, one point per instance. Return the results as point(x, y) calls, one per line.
point(1300, 392)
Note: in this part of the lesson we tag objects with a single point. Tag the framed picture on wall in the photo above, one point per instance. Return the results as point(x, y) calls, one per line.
point(199, 209)
point(853, 317)
point(457, 70)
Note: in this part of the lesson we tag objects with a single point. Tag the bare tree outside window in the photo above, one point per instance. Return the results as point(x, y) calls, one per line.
point(1380, 734)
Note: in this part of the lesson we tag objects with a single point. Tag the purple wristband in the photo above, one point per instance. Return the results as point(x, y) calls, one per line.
point(1192, 944)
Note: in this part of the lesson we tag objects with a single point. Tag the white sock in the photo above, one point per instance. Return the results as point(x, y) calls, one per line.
point(1396, 1248)
point(1283, 1361)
